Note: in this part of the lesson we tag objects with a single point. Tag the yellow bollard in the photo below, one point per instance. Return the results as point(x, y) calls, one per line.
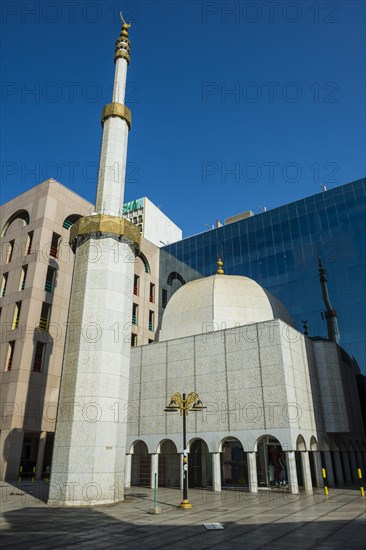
point(324, 474)
point(362, 489)
point(20, 473)
point(33, 473)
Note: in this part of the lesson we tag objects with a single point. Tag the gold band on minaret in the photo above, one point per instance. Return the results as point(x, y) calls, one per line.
point(117, 109)
point(123, 44)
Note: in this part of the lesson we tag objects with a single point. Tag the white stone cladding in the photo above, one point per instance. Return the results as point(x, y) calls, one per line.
point(88, 464)
point(120, 79)
point(112, 168)
point(253, 379)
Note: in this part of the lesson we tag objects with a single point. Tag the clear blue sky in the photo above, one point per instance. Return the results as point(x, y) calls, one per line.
point(271, 91)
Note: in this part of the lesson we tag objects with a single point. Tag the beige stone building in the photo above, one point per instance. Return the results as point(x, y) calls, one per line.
point(36, 274)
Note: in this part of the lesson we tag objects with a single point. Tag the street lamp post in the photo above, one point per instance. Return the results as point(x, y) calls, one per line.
point(185, 404)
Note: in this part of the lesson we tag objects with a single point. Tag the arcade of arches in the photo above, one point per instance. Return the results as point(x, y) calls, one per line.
point(269, 466)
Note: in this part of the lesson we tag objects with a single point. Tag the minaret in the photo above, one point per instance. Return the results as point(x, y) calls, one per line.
point(90, 440)
point(330, 313)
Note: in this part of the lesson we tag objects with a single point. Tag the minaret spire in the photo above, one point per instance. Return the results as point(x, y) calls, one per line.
point(116, 123)
point(330, 313)
point(90, 441)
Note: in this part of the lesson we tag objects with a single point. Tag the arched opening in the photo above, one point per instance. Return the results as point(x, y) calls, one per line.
point(199, 464)
point(234, 466)
point(300, 447)
point(141, 465)
point(70, 220)
point(271, 463)
point(169, 465)
point(145, 262)
point(22, 215)
point(174, 276)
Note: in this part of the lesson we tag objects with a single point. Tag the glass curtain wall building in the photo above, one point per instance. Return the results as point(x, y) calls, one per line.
point(280, 249)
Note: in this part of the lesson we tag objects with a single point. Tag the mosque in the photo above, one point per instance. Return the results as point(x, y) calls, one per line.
point(270, 407)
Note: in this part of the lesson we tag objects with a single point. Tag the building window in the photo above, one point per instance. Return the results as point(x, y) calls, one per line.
point(23, 277)
point(151, 341)
point(136, 285)
point(140, 219)
point(45, 316)
point(151, 320)
point(152, 293)
point(54, 245)
point(4, 282)
point(164, 298)
point(135, 310)
point(28, 245)
point(140, 227)
point(10, 251)
point(10, 355)
point(133, 340)
point(39, 357)
point(18, 307)
point(50, 278)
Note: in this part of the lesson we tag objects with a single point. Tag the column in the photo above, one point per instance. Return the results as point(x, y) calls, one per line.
point(252, 472)
point(329, 468)
point(40, 455)
point(338, 468)
point(318, 469)
point(154, 469)
point(352, 458)
point(203, 464)
point(346, 467)
point(216, 472)
point(128, 468)
point(306, 472)
point(11, 453)
point(291, 472)
point(181, 470)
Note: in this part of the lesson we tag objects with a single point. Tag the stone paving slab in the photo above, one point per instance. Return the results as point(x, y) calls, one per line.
point(269, 520)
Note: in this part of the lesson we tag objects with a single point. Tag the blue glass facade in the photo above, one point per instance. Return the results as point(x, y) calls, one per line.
point(280, 249)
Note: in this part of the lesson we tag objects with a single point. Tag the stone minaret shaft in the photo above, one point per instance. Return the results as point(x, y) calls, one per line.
point(90, 440)
point(330, 313)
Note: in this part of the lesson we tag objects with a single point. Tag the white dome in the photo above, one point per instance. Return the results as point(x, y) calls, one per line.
point(216, 303)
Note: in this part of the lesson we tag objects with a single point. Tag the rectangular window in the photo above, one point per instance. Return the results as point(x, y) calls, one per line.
point(152, 292)
point(164, 298)
point(10, 251)
point(133, 340)
point(54, 245)
point(135, 310)
point(28, 246)
point(10, 355)
point(50, 278)
point(4, 282)
point(39, 357)
point(18, 307)
point(23, 277)
point(151, 320)
point(136, 285)
point(45, 316)
point(140, 219)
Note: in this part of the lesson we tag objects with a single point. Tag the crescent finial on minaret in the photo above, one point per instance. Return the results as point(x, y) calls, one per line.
point(123, 44)
point(125, 24)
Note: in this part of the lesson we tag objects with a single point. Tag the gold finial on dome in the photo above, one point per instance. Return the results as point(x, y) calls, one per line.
point(220, 263)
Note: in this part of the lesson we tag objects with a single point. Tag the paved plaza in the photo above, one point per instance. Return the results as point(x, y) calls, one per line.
point(270, 519)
